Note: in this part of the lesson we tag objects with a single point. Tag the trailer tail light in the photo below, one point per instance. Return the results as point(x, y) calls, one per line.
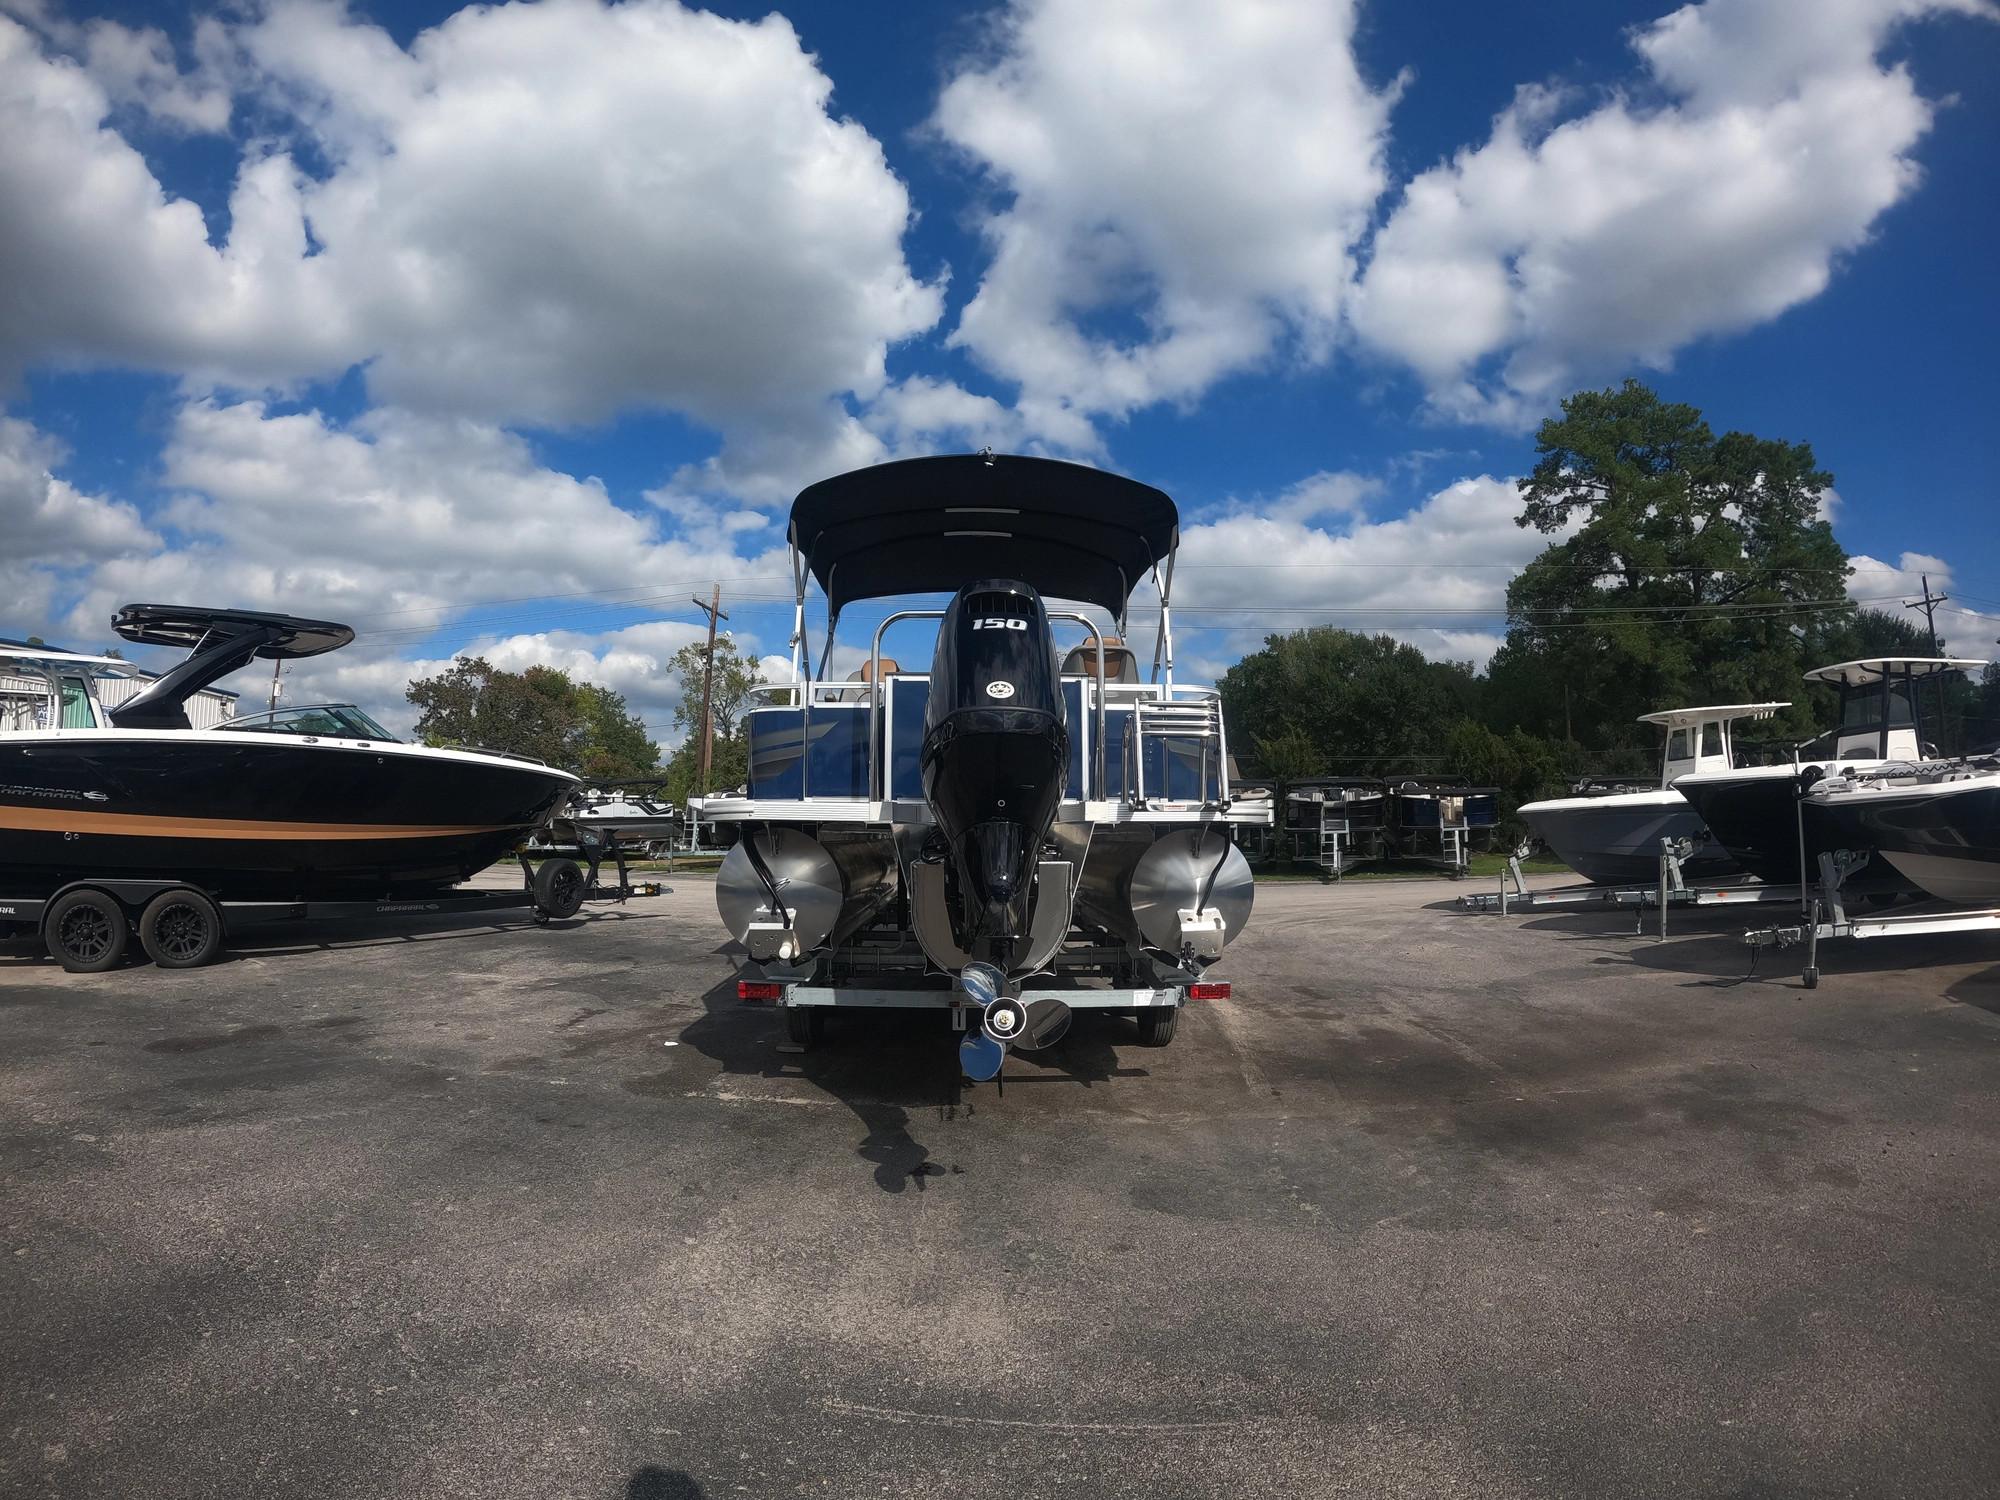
point(750, 990)
point(1208, 992)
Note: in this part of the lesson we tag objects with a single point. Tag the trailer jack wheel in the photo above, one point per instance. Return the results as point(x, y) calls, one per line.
point(86, 931)
point(181, 930)
point(1812, 978)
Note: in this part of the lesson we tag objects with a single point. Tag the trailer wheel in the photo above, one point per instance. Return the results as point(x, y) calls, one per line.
point(86, 931)
point(1156, 1026)
point(559, 888)
point(181, 930)
point(805, 1024)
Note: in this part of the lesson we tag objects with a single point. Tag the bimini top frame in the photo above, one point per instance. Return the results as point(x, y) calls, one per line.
point(221, 641)
point(934, 525)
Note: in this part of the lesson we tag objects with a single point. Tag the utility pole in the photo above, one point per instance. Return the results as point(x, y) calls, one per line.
point(275, 664)
point(1928, 604)
point(713, 608)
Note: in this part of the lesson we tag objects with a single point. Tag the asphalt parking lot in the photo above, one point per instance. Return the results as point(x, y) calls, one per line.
point(1438, 1204)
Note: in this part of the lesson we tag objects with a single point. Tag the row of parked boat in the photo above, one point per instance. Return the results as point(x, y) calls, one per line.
point(1872, 793)
point(1341, 822)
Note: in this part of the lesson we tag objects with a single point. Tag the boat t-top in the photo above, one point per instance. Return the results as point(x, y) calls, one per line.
point(110, 811)
point(1018, 831)
point(1616, 837)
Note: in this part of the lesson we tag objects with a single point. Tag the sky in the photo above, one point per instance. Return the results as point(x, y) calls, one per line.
point(510, 329)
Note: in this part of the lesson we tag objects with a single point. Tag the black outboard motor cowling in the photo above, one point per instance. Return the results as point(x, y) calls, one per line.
point(995, 757)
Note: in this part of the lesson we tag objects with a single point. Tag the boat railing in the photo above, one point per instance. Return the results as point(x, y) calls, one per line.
point(878, 773)
point(1144, 744)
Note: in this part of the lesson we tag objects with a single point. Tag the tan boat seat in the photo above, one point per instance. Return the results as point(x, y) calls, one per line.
point(861, 674)
point(1120, 665)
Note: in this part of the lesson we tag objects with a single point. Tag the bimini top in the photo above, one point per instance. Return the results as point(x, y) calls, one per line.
point(1722, 713)
point(933, 525)
point(186, 626)
point(221, 641)
point(1861, 673)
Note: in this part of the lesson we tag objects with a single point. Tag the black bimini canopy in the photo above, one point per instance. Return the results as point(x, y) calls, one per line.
point(934, 525)
point(222, 640)
point(188, 626)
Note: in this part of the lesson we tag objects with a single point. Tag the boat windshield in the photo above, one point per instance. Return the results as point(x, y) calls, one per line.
point(338, 721)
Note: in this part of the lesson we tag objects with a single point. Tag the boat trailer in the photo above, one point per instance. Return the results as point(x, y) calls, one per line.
point(1826, 916)
point(1672, 888)
point(86, 925)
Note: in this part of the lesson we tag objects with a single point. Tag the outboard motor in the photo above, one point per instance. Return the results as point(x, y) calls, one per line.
point(995, 755)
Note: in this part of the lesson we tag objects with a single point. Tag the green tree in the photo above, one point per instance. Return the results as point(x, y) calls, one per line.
point(1695, 569)
point(735, 675)
point(1356, 700)
point(541, 711)
point(729, 767)
point(729, 758)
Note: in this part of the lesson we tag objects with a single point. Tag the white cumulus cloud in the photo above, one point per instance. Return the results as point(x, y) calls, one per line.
point(402, 525)
point(543, 214)
point(1763, 143)
point(1435, 576)
point(1181, 186)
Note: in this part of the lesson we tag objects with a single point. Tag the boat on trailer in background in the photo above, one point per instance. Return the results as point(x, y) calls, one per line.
point(129, 818)
point(1754, 812)
point(1019, 832)
point(1615, 837)
point(1442, 823)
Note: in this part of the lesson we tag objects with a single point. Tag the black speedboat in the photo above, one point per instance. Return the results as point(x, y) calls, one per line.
point(1753, 811)
point(302, 804)
point(1936, 824)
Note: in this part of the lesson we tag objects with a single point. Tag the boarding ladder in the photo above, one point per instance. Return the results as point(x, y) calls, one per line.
point(1454, 844)
point(1333, 834)
point(1170, 721)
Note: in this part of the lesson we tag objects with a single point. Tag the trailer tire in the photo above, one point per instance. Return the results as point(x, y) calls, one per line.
point(1156, 1026)
point(181, 929)
point(559, 888)
point(805, 1024)
point(86, 931)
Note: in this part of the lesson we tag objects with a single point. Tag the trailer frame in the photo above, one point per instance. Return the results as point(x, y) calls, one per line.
point(135, 893)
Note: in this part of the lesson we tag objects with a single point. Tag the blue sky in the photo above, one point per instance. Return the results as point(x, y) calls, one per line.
point(512, 329)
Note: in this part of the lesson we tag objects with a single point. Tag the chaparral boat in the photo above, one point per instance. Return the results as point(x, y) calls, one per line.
point(1753, 811)
point(1937, 824)
point(1615, 837)
point(1011, 834)
point(299, 804)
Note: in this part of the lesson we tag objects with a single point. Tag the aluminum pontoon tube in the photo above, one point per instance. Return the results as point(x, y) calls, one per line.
point(1187, 885)
point(829, 888)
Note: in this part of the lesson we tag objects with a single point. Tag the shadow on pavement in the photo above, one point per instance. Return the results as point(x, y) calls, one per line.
point(651, 1482)
point(895, 1069)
